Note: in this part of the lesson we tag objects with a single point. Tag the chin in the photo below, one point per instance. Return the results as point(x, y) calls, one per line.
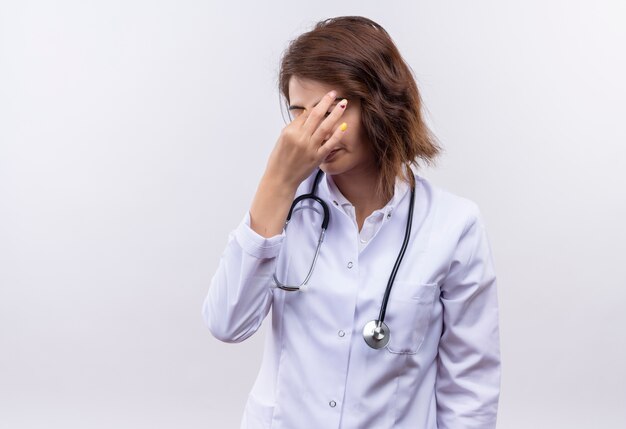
point(332, 169)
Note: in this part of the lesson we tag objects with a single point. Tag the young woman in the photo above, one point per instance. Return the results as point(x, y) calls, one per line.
point(391, 320)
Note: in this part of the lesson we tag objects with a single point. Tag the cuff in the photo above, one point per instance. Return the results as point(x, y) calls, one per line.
point(255, 244)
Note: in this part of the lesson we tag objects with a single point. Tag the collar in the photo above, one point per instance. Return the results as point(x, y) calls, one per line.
point(401, 189)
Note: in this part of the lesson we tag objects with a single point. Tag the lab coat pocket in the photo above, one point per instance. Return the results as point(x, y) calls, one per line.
point(408, 316)
point(257, 415)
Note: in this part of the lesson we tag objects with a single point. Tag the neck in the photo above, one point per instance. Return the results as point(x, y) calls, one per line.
point(358, 188)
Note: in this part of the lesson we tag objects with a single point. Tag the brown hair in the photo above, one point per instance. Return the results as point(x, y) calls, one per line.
point(359, 57)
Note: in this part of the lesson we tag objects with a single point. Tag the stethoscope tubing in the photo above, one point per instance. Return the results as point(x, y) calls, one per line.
point(311, 195)
point(376, 333)
point(405, 243)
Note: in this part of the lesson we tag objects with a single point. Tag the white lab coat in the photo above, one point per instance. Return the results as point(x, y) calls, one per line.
point(441, 368)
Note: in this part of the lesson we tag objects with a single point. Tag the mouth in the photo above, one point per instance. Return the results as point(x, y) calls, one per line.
point(331, 155)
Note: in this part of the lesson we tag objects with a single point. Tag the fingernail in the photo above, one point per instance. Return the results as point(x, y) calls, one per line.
point(343, 126)
point(332, 94)
point(343, 103)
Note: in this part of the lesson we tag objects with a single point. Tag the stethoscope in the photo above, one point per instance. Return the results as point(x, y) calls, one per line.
point(375, 332)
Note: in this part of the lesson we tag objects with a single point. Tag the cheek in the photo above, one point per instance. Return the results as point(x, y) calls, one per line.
point(353, 121)
point(356, 129)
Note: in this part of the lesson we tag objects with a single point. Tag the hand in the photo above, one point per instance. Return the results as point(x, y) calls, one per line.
point(305, 142)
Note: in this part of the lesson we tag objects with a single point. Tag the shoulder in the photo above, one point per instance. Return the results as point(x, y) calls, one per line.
point(451, 211)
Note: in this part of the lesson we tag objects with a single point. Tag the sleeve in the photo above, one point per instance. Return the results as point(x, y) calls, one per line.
point(240, 295)
point(468, 374)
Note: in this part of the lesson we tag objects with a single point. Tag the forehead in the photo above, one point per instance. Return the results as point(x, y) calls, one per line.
point(306, 91)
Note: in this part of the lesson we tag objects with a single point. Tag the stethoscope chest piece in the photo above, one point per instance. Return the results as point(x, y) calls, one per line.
point(376, 334)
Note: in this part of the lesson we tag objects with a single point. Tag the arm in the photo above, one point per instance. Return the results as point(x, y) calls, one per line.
point(468, 377)
point(298, 152)
point(239, 297)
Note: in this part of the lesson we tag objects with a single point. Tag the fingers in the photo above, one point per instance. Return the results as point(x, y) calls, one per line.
point(332, 143)
point(329, 124)
point(313, 118)
point(318, 130)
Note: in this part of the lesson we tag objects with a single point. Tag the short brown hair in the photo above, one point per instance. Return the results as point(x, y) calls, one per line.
point(359, 57)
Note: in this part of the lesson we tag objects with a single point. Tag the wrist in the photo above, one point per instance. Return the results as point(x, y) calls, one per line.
point(282, 186)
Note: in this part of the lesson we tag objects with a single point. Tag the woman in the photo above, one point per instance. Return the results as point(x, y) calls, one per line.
point(333, 359)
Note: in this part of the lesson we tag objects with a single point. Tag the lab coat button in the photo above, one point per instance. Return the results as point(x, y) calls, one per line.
point(341, 333)
point(350, 264)
point(333, 404)
point(335, 203)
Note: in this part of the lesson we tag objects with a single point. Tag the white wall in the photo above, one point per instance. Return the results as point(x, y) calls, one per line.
point(132, 135)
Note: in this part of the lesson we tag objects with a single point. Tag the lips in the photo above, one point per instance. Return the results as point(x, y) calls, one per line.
point(331, 155)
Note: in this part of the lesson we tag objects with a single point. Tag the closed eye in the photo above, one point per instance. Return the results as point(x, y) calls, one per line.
point(296, 114)
point(293, 110)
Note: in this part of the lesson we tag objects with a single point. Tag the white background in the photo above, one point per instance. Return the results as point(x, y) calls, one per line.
point(132, 137)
